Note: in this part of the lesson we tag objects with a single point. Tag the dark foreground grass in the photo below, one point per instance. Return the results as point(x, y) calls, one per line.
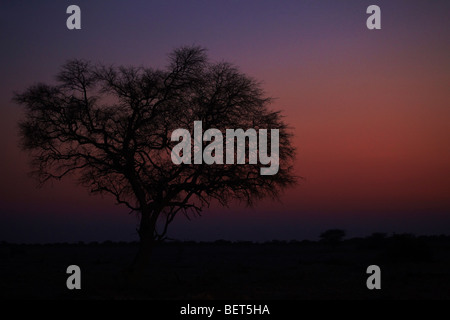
point(412, 268)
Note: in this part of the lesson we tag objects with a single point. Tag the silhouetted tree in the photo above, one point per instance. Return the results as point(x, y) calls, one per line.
point(110, 127)
point(332, 236)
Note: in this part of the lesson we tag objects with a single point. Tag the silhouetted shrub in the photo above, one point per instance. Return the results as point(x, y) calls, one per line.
point(378, 236)
point(278, 242)
point(222, 242)
point(332, 236)
point(107, 243)
point(244, 242)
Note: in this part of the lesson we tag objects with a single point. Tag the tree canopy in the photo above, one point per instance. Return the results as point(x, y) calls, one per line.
point(110, 128)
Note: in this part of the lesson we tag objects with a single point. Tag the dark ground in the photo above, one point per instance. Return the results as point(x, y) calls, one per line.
point(411, 268)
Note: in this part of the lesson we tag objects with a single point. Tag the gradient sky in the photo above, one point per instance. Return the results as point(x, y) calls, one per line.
point(370, 110)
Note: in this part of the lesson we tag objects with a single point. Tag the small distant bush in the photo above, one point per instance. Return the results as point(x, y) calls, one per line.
point(332, 236)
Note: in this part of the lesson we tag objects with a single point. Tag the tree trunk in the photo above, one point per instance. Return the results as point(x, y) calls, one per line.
point(142, 259)
point(136, 270)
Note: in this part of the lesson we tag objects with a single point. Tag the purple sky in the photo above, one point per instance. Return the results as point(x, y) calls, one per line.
point(370, 110)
